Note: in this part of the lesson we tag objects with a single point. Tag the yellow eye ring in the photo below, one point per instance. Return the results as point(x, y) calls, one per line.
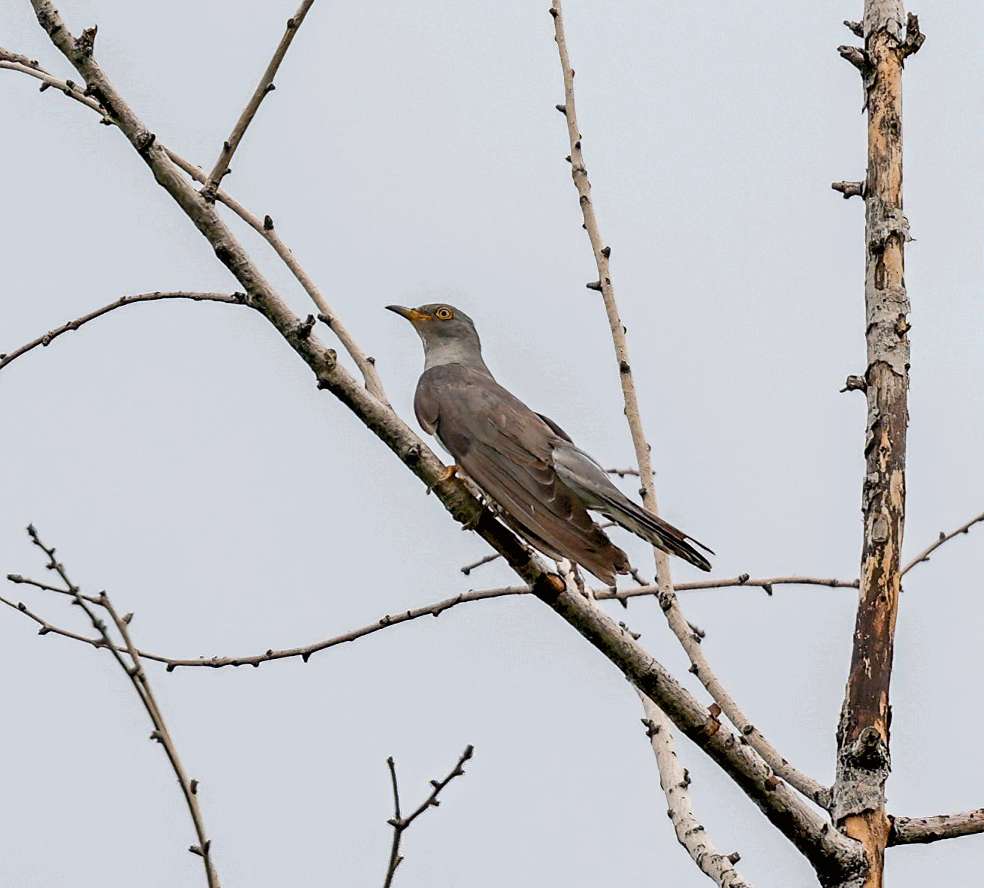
point(444, 314)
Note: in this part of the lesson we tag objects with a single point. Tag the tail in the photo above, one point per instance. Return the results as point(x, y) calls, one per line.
point(656, 531)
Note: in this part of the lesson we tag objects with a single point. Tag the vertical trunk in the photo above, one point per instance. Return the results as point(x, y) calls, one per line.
point(863, 760)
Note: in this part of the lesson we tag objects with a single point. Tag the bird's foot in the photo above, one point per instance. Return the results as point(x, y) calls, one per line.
point(446, 475)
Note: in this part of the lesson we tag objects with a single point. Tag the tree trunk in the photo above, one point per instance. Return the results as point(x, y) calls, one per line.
point(863, 738)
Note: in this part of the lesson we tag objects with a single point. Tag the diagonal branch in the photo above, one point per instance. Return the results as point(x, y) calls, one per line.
point(400, 823)
point(265, 86)
point(828, 851)
point(922, 830)
point(127, 657)
point(940, 540)
point(675, 782)
point(668, 601)
point(326, 314)
point(46, 339)
point(264, 227)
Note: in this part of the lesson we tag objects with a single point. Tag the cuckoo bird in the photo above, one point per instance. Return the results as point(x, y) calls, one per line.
point(543, 484)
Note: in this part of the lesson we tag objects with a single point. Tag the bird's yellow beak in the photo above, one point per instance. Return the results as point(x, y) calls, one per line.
point(411, 314)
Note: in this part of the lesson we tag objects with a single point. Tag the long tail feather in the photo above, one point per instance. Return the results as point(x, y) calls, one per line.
point(657, 531)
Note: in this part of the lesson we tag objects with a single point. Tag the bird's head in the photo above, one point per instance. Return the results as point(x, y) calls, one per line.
point(443, 329)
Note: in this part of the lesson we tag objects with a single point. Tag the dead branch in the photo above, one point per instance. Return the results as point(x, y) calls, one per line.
point(263, 88)
point(668, 601)
point(939, 541)
point(863, 739)
point(46, 339)
point(400, 823)
point(675, 782)
point(264, 227)
point(922, 830)
point(435, 609)
point(849, 189)
point(466, 569)
point(829, 852)
point(624, 473)
point(128, 659)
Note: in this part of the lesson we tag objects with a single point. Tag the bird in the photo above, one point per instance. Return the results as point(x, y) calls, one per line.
point(543, 484)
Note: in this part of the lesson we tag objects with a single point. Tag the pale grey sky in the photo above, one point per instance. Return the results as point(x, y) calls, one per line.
point(179, 455)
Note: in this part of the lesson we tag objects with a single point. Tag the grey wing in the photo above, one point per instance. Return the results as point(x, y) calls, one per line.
point(595, 489)
point(506, 449)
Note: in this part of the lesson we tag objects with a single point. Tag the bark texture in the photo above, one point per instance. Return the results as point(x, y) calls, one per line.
point(831, 854)
point(863, 736)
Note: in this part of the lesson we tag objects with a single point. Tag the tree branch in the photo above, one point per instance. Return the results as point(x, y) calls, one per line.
point(828, 851)
point(863, 738)
point(922, 830)
point(432, 610)
point(265, 86)
point(51, 335)
point(624, 473)
point(264, 227)
point(400, 823)
point(668, 601)
point(128, 659)
point(940, 540)
point(675, 782)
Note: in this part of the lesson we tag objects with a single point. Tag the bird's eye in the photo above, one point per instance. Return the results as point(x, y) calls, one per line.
point(444, 314)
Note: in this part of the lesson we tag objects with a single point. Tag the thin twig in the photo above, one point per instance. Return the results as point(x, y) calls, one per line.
point(400, 823)
point(265, 86)
point(264, 227)
point(668, 601)
point(47, 338)
point(433, 610)
point(138, 678)
point(940, 540)
point(466, 569)
point(675, 782)
point(624, 473)
point(485, 559)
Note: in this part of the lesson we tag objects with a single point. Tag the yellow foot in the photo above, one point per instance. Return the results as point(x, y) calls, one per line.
point(446, 475)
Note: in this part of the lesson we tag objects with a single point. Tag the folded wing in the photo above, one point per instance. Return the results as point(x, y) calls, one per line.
point(507, 450)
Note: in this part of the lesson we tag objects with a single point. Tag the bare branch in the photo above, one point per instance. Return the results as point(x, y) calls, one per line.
point(922, 830)
point(943, 538)
point(829, 852)
point(400, 823)
point(674, 615)
point(466, 569)
point(624, 473)
point(485, 559)
point(849, 189)
point(856, 56)
point(435, 609)
point(51, 335)
point(914, 38)
point(128, 659)
point(264, 227)
point(264, 87)
point(675, 781)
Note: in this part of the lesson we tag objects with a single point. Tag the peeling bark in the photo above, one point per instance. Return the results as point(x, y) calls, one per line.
point(863, 735)
point(834, 856)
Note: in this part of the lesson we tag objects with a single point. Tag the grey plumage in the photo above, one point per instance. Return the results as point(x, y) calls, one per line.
point(542, 482)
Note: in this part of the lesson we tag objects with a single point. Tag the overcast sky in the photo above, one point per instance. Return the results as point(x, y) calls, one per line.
point(179, 455)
